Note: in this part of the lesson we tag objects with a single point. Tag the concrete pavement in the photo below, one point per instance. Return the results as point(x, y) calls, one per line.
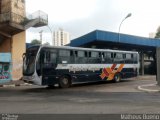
point(151, 87)
point(148, 87)
point(14, 83)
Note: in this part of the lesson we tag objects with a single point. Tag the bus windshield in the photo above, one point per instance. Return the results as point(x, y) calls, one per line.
point(29, 59)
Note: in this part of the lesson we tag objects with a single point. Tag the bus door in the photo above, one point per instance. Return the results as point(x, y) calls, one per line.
point(48, 66)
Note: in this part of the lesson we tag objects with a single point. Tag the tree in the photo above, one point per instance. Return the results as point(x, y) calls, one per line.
point(158, 33)
point(47, 43)
point(35, 42)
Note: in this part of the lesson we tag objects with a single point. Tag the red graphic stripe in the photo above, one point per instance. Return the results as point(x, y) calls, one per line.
point(102, 75)
point(105, 72)
point(113, 66)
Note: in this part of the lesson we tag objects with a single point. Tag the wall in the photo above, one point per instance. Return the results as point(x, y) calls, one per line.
point(5, 6)
point(16, 7)
point(18, 48)
point(5, 67)
point(5, 46)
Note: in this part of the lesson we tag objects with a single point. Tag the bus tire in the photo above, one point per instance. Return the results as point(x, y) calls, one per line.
point(64, 82)
point(117, 77)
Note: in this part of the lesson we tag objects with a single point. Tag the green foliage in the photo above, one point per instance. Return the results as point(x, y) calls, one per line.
point(47, 43)
point(158, 33)
point(35, 42)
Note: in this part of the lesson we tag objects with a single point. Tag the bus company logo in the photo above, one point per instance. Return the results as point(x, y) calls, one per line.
point(110, 72)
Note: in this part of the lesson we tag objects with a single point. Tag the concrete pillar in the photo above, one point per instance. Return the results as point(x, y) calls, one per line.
point(158, 65)
point(142, 63)
point(5, 46)
point(18, 48)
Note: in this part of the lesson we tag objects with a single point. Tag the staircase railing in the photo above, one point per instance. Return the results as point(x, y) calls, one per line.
point(18, 19)
point(39, 14)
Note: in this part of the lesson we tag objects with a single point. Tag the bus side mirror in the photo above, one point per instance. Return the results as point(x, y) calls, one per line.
point(24, 54)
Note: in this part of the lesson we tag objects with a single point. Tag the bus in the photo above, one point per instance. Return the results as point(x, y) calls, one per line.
point(50, 65)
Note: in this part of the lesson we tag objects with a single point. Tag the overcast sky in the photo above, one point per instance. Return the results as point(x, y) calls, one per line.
point(79, 17)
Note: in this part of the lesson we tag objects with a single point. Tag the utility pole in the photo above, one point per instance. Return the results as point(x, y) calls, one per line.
point(51, 34)
point(41, 36)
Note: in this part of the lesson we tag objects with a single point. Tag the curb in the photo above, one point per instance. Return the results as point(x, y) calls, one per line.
point(147, 89)
point(15, 85)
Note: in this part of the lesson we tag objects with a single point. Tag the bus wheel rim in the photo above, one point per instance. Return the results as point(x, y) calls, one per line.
point(65, 81)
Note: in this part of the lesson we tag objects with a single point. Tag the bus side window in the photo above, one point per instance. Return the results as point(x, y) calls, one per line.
point(53, 58)
point(64, 56)
point(132, 61)
point(112, 56)
point(89, 54)
point(94, 58)
point(76, 53)
point(71, 57)
point(128, 58)
point(48, 57)
point(108, 57)
point(81, 57)
point(71, 53)
point(90, 61)
point(124, 56)
point(85, 54)
point(43, 57)
point(120, 58)
point(135, 59)
point(102, 58)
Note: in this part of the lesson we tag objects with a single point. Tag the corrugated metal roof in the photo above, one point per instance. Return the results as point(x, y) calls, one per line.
point(107, 36)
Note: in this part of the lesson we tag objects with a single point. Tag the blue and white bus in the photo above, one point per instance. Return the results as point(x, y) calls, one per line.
point(50, 65)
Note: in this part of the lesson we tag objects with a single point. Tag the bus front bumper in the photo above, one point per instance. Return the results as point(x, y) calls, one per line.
point(32, 80)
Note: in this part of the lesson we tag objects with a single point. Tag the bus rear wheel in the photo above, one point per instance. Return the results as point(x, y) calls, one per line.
point(117, 77)
point(64, 82)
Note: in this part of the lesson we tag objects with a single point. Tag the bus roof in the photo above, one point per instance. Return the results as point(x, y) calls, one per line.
point(88, 49)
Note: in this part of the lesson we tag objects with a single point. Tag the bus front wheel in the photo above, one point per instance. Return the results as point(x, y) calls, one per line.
point(117, 77)
point(64, 82)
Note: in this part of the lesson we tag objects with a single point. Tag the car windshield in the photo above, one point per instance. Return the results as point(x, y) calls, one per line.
point(29, 59)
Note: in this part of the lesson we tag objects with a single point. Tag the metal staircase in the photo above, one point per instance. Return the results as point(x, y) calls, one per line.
point(37, 19)
point(11, 23)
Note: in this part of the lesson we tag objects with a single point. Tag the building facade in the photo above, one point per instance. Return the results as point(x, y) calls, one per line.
point(12, 39)
point(152, 35)
point(13, 25)
point(61, 38)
